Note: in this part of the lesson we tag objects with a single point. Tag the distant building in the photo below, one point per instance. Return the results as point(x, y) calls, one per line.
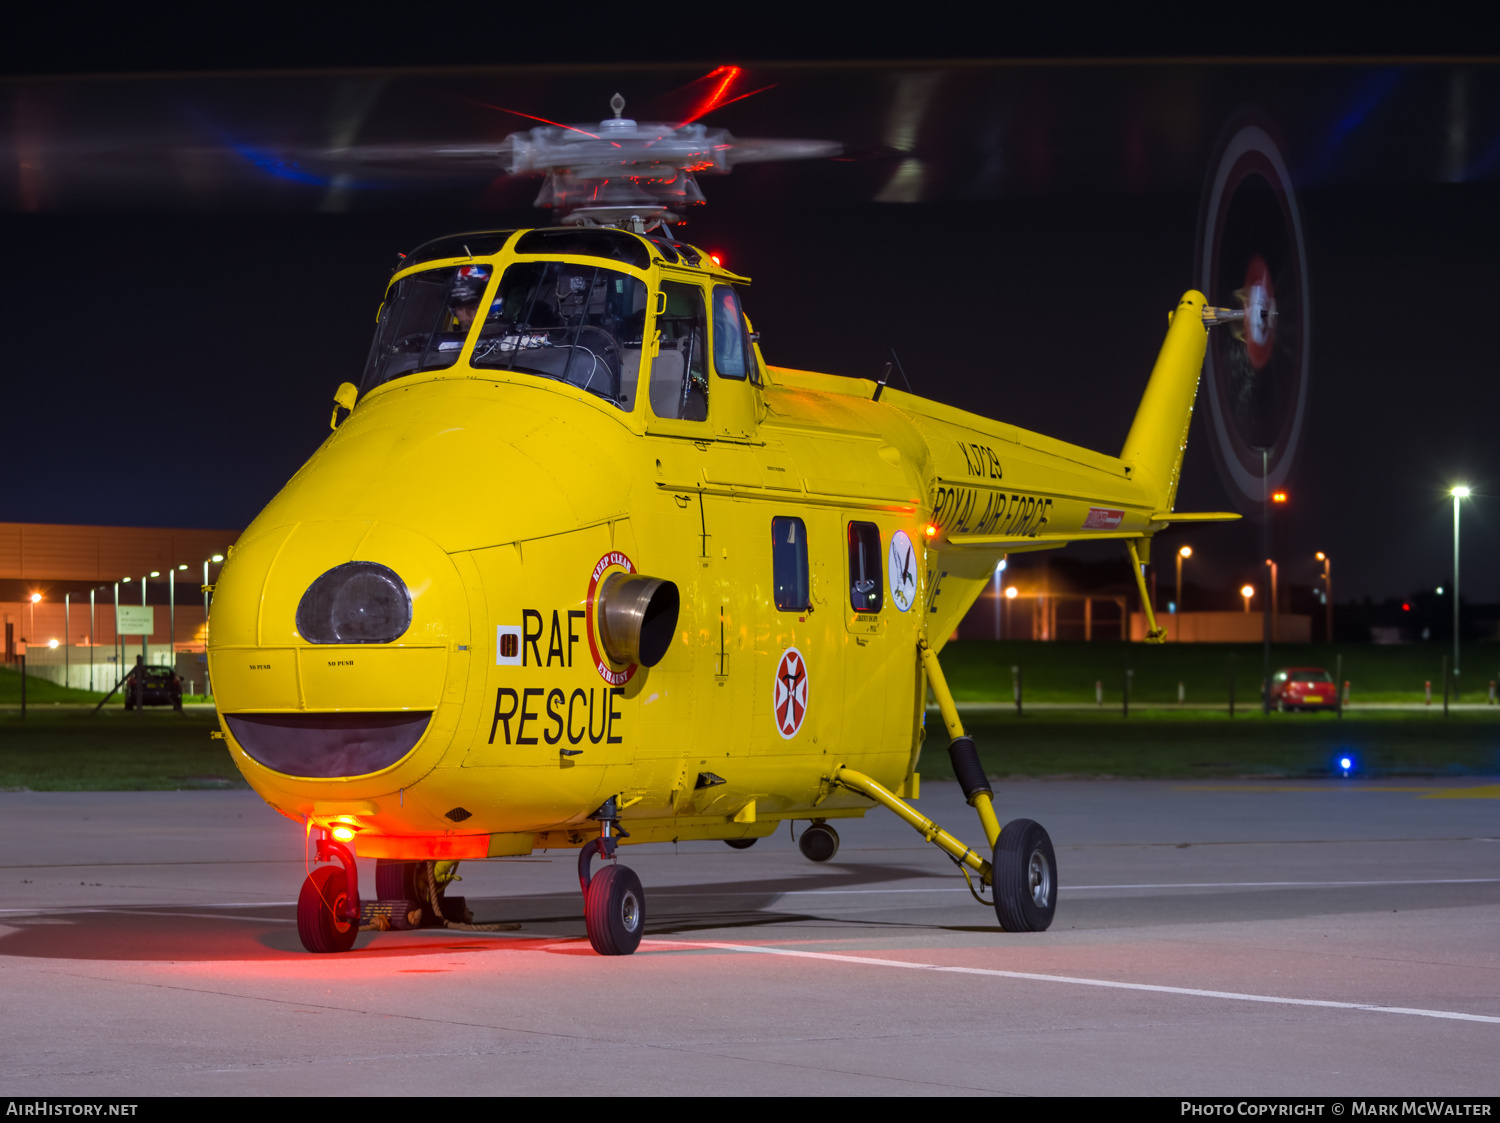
point(48, 571)
point(1070, 599)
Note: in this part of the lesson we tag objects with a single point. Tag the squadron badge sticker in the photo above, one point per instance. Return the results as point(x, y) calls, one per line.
point(901, 564)
point(790, 698)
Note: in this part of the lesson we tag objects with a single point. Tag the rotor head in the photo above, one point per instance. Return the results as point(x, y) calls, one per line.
point(621, 172)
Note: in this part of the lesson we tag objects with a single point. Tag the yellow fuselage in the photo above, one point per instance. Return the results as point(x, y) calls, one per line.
point(496, 496)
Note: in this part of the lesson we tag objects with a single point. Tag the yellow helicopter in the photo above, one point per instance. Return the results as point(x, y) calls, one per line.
point(578, 569)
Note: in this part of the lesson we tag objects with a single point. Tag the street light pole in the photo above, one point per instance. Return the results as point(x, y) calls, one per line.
point(1327, 590)
point(207, 680)
point(1267, 605)
point(1460, 492)
point(1185, 552)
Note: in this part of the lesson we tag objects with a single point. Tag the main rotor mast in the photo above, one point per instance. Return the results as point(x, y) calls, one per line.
point(635, 175)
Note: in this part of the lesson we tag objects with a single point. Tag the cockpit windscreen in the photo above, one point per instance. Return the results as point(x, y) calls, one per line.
point(424, 322)
point(581, 324)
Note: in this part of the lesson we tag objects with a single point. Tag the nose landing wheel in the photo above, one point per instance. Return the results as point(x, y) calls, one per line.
point(321, 911)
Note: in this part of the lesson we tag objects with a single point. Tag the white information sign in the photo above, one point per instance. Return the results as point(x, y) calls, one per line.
point(135, 619)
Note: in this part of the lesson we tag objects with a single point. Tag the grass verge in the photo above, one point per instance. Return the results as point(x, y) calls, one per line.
point(113, 751)
point(1166, 744)
point(982, 670)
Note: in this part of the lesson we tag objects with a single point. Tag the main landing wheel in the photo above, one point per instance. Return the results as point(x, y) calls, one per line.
point(819, 843)
point(323, 896)
point(1025, 872)
point(614, 910)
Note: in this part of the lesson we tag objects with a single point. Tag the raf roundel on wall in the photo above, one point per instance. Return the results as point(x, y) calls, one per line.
point(901, 566)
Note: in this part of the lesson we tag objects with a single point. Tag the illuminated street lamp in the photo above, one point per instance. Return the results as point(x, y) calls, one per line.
point(1459, 492)
point(1327, 589)
point(1185, 552)
point(216, 560)
point(1247, 591)
point(999, 604)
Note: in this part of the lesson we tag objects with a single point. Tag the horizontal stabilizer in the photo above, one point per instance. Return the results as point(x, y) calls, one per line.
point(1194, 517)
point(1035, 541)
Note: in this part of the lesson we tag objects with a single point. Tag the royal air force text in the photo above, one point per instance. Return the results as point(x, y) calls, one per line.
point(981, 510)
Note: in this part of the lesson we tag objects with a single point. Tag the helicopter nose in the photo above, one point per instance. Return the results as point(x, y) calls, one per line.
point(337, 617)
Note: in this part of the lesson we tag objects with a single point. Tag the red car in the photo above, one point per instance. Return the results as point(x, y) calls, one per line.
point(1303, 688)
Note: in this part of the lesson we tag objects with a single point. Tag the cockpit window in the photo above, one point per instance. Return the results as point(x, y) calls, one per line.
point(578, 323)
point(424, 322)
point(588, 242)
point(479, 243)
point(729, 334)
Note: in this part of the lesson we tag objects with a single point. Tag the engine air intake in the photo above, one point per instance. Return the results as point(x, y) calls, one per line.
point(357, 602)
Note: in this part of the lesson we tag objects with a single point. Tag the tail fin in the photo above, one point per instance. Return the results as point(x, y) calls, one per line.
point(1158, 435)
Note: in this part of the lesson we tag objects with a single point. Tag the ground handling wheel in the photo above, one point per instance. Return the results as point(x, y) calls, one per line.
point(739, 843)
point(1025, 872)
point(819, 843)
point(614, 910)
point(397, 880)
point(319, 908)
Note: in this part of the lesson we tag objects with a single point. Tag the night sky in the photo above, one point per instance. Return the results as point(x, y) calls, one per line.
point(173, 367)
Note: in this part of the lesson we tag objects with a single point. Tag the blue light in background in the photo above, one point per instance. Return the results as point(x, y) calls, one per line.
point(280, 168)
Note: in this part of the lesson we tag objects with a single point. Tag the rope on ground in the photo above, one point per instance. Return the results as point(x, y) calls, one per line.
point(428, 881)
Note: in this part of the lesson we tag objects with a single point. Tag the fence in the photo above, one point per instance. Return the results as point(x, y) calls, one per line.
point(100, 667)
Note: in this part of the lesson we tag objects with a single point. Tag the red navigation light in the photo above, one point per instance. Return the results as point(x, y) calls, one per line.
point(1406, 608)
point(931, 530)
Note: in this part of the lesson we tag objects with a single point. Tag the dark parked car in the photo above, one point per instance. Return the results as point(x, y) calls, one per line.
point(1303, 688)
point(162, 687)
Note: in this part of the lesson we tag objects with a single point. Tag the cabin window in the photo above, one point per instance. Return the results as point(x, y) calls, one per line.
point(679, 378)
point(789, 564)
point(730, 349)
point(866, 589)
point(424, 322)
point(580, 324)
